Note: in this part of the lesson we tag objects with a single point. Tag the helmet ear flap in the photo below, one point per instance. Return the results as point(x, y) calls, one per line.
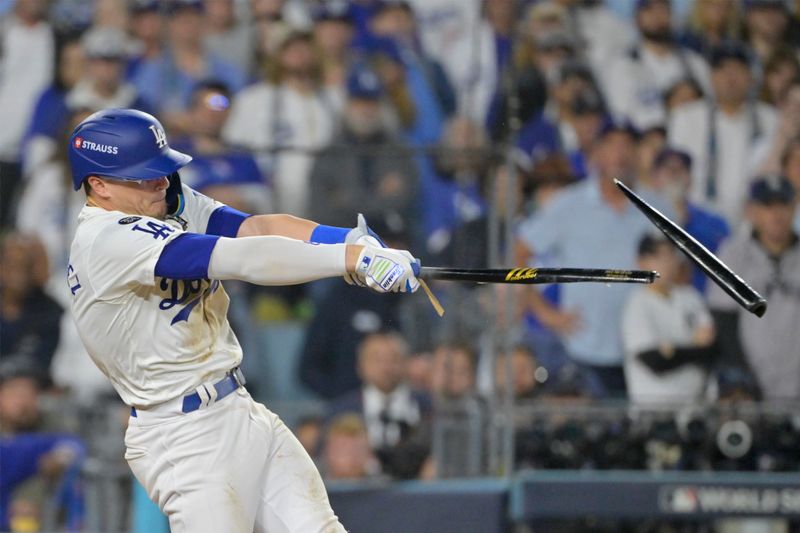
point(175, 200)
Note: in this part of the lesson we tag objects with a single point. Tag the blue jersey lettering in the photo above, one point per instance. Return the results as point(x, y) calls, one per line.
point(158, 231)
point(72, 280)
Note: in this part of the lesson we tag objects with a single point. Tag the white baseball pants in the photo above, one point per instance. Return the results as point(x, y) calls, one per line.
point(232, 466)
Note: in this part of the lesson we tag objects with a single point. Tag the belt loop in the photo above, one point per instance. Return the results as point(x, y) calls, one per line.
point(207, 393)
point(238, 376)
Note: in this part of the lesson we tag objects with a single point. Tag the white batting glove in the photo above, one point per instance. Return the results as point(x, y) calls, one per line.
point(387, 270)
point(361, 235)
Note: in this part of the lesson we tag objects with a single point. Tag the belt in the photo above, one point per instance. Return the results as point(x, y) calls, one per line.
point(204, 396)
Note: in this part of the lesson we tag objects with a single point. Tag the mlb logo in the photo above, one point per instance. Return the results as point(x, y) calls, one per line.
point(78, 142)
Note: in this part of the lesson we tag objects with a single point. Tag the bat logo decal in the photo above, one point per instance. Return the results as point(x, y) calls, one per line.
point(519, 274)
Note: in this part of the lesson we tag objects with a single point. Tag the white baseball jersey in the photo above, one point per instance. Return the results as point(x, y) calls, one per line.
point(650, 320)
point(154, 338)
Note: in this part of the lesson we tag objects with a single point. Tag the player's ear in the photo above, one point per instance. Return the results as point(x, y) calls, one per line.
point(96, 185)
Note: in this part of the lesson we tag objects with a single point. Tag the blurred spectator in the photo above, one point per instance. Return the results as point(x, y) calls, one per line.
point(147, 30)
point(103, 84)
point(585, 118)
point(395, 20)
point(672, 177)
point(48, 209)
point(605, 36)
point(334, 29)
point(711, 23)
point(216, 170)
point(166, 81)
point(51, 113)
point(545, 40)
point(782, 68)
point(367, 168)
point(394, 414)
point(767, 27)
point(29, 317)
point(653, 140)
point(475, 64)
point(771, 154)
point(346, 453)
point(553, 130)
point(634, 84)
point(444, 26)
point(309, 433)
point(790, 165)
point(27, 66)
point(452, 182)
point(289, 112)
point(268, 28)
point(573, 230)
point(769, 259)
point(39, 468)
point(526, 377)
point(344, 317)
point(667, 332)
point(453, 371)
point(683, 91)
point(226, 36)
point(722, 134)
point(409, 92)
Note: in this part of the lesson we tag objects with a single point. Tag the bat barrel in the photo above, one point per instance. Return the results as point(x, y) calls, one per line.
point(718, 271)
point(533, 276)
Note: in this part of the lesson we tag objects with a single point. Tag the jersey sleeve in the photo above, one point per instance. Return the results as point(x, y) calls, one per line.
point(125, 252)
point(206, 215)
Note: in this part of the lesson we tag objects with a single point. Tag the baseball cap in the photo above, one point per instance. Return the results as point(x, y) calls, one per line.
point(771, 189)
point(729, 51)
point(362, 82)
point(174, 6)
point(338, 10)
point(106, 43)
point(669, 153)
point(614, 126)
point(587, 103)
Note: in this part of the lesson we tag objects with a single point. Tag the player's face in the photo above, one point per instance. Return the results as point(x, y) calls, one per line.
point(144, 197)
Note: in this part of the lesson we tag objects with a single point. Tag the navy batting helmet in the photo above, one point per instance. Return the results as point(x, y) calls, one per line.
point(122, 144)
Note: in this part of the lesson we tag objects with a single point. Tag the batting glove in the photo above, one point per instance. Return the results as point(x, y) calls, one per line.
point(387, 269)
point(361, 234)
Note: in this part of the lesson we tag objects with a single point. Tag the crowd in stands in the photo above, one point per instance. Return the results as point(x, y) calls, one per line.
point(474, 132)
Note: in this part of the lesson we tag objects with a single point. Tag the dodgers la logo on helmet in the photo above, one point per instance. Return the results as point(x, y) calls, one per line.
point(122, 144)
point(161, 137)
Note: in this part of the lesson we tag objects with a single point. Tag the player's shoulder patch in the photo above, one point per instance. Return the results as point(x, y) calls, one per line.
point(128, 220)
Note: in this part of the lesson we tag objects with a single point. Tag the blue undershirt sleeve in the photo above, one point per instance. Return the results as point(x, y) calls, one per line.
point(225, 222)
point(186, 257)
point(329, 234)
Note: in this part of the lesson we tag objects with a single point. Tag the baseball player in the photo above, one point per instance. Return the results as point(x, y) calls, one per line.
point(145, 273)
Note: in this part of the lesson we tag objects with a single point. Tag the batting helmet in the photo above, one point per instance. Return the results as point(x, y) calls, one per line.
point(122, 144)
